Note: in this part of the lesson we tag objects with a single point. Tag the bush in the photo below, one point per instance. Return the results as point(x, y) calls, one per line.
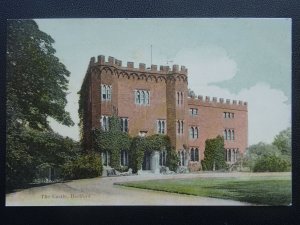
point(172, 159)
point(85, 166)
point(214, 154)
point(271, 163)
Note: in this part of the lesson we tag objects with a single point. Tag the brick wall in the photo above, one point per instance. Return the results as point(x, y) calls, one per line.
point(163, 85)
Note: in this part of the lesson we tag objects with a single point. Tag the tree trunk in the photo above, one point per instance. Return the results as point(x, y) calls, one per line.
point(214, 166)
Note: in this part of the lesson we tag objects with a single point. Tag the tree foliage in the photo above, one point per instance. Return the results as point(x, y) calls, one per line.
point(270, 157)
point(270, 163)
point(259, 151)
point(36, 79)
point(28, 150)
point(283, 141)
point(86, 165)
point(214, 154)
point(37, 84)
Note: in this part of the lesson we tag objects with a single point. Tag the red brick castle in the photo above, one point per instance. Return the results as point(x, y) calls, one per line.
point(151, 100)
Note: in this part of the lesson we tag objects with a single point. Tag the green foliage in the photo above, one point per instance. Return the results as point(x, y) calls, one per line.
point(257, 152)
point(214, 154)
point(84, 166)
point(113, 141)
point(283, 141)
point(36, 89)
point(36, 80)
point(270, 163)
point(172, 156)
point(20, 167)
point(156, 142)
point(136, 153)
point(28, 150)
point(270, 157)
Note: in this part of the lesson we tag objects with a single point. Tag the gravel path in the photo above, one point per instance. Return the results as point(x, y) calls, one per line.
point(102, 191)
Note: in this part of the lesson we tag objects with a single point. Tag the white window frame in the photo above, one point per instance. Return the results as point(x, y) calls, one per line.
point(142, 97)
point(104, 126)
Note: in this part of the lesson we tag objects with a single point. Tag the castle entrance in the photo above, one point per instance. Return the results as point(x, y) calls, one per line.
point(147, 161)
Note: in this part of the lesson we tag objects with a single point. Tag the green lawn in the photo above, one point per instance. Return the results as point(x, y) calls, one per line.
point(266, 190)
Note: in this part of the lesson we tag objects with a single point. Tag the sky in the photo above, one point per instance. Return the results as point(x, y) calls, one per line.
point(243, 59)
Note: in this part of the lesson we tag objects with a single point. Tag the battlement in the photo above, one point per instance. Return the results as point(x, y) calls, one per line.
point(217, 102)
point(111, 61)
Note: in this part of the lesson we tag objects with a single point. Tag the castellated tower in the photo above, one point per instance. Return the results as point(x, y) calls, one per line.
point(155, 100)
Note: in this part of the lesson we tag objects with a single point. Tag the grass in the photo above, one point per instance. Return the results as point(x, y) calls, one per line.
point(258, 190)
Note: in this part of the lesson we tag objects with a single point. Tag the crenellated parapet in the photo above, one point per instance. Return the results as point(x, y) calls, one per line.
point(158, 73)
point(218, 102)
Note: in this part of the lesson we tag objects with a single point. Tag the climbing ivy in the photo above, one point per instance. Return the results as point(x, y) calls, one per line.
point(157, 142)
point(113, 141)
point(82, 113)
point(214, 154)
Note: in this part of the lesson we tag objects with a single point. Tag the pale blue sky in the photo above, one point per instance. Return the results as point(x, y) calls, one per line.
point(244, 59)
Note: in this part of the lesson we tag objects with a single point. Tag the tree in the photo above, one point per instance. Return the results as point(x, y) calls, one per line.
point(191, 93)
point(270, 163)
point(283, 141)
point(36, 89)
point(29, 151)
point(266, 157)
point(214, 154)
point(36, 79)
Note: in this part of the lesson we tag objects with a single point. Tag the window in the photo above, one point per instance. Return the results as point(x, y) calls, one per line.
point(163, 158)
point(147, 101)
point(161, 126)
point(191, 132)
point(231, 155)
point(181, 155)
point(104, 123)
point(229, 115)
point(106, 158)
point(229, 134)
point(105, 92)
point(180, 127)
point(142, 97)
point(137, 97)
point(195, 154)
point(124, 158)
point(194, 132)
point(193, 111)
point(179, 97)
point(124, 124)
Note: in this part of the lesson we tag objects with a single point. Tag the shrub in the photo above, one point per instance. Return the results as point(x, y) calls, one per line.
point(271, 163)
point(84, 166)
point(214, 154)
point(172, 159)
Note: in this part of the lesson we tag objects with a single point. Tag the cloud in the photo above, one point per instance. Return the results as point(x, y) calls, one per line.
point(207, 64)
point(268, 112)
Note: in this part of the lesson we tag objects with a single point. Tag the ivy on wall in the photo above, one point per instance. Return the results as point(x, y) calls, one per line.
point(82, 113)
point(214, 154)
point(113, 141)
point(157, 142)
